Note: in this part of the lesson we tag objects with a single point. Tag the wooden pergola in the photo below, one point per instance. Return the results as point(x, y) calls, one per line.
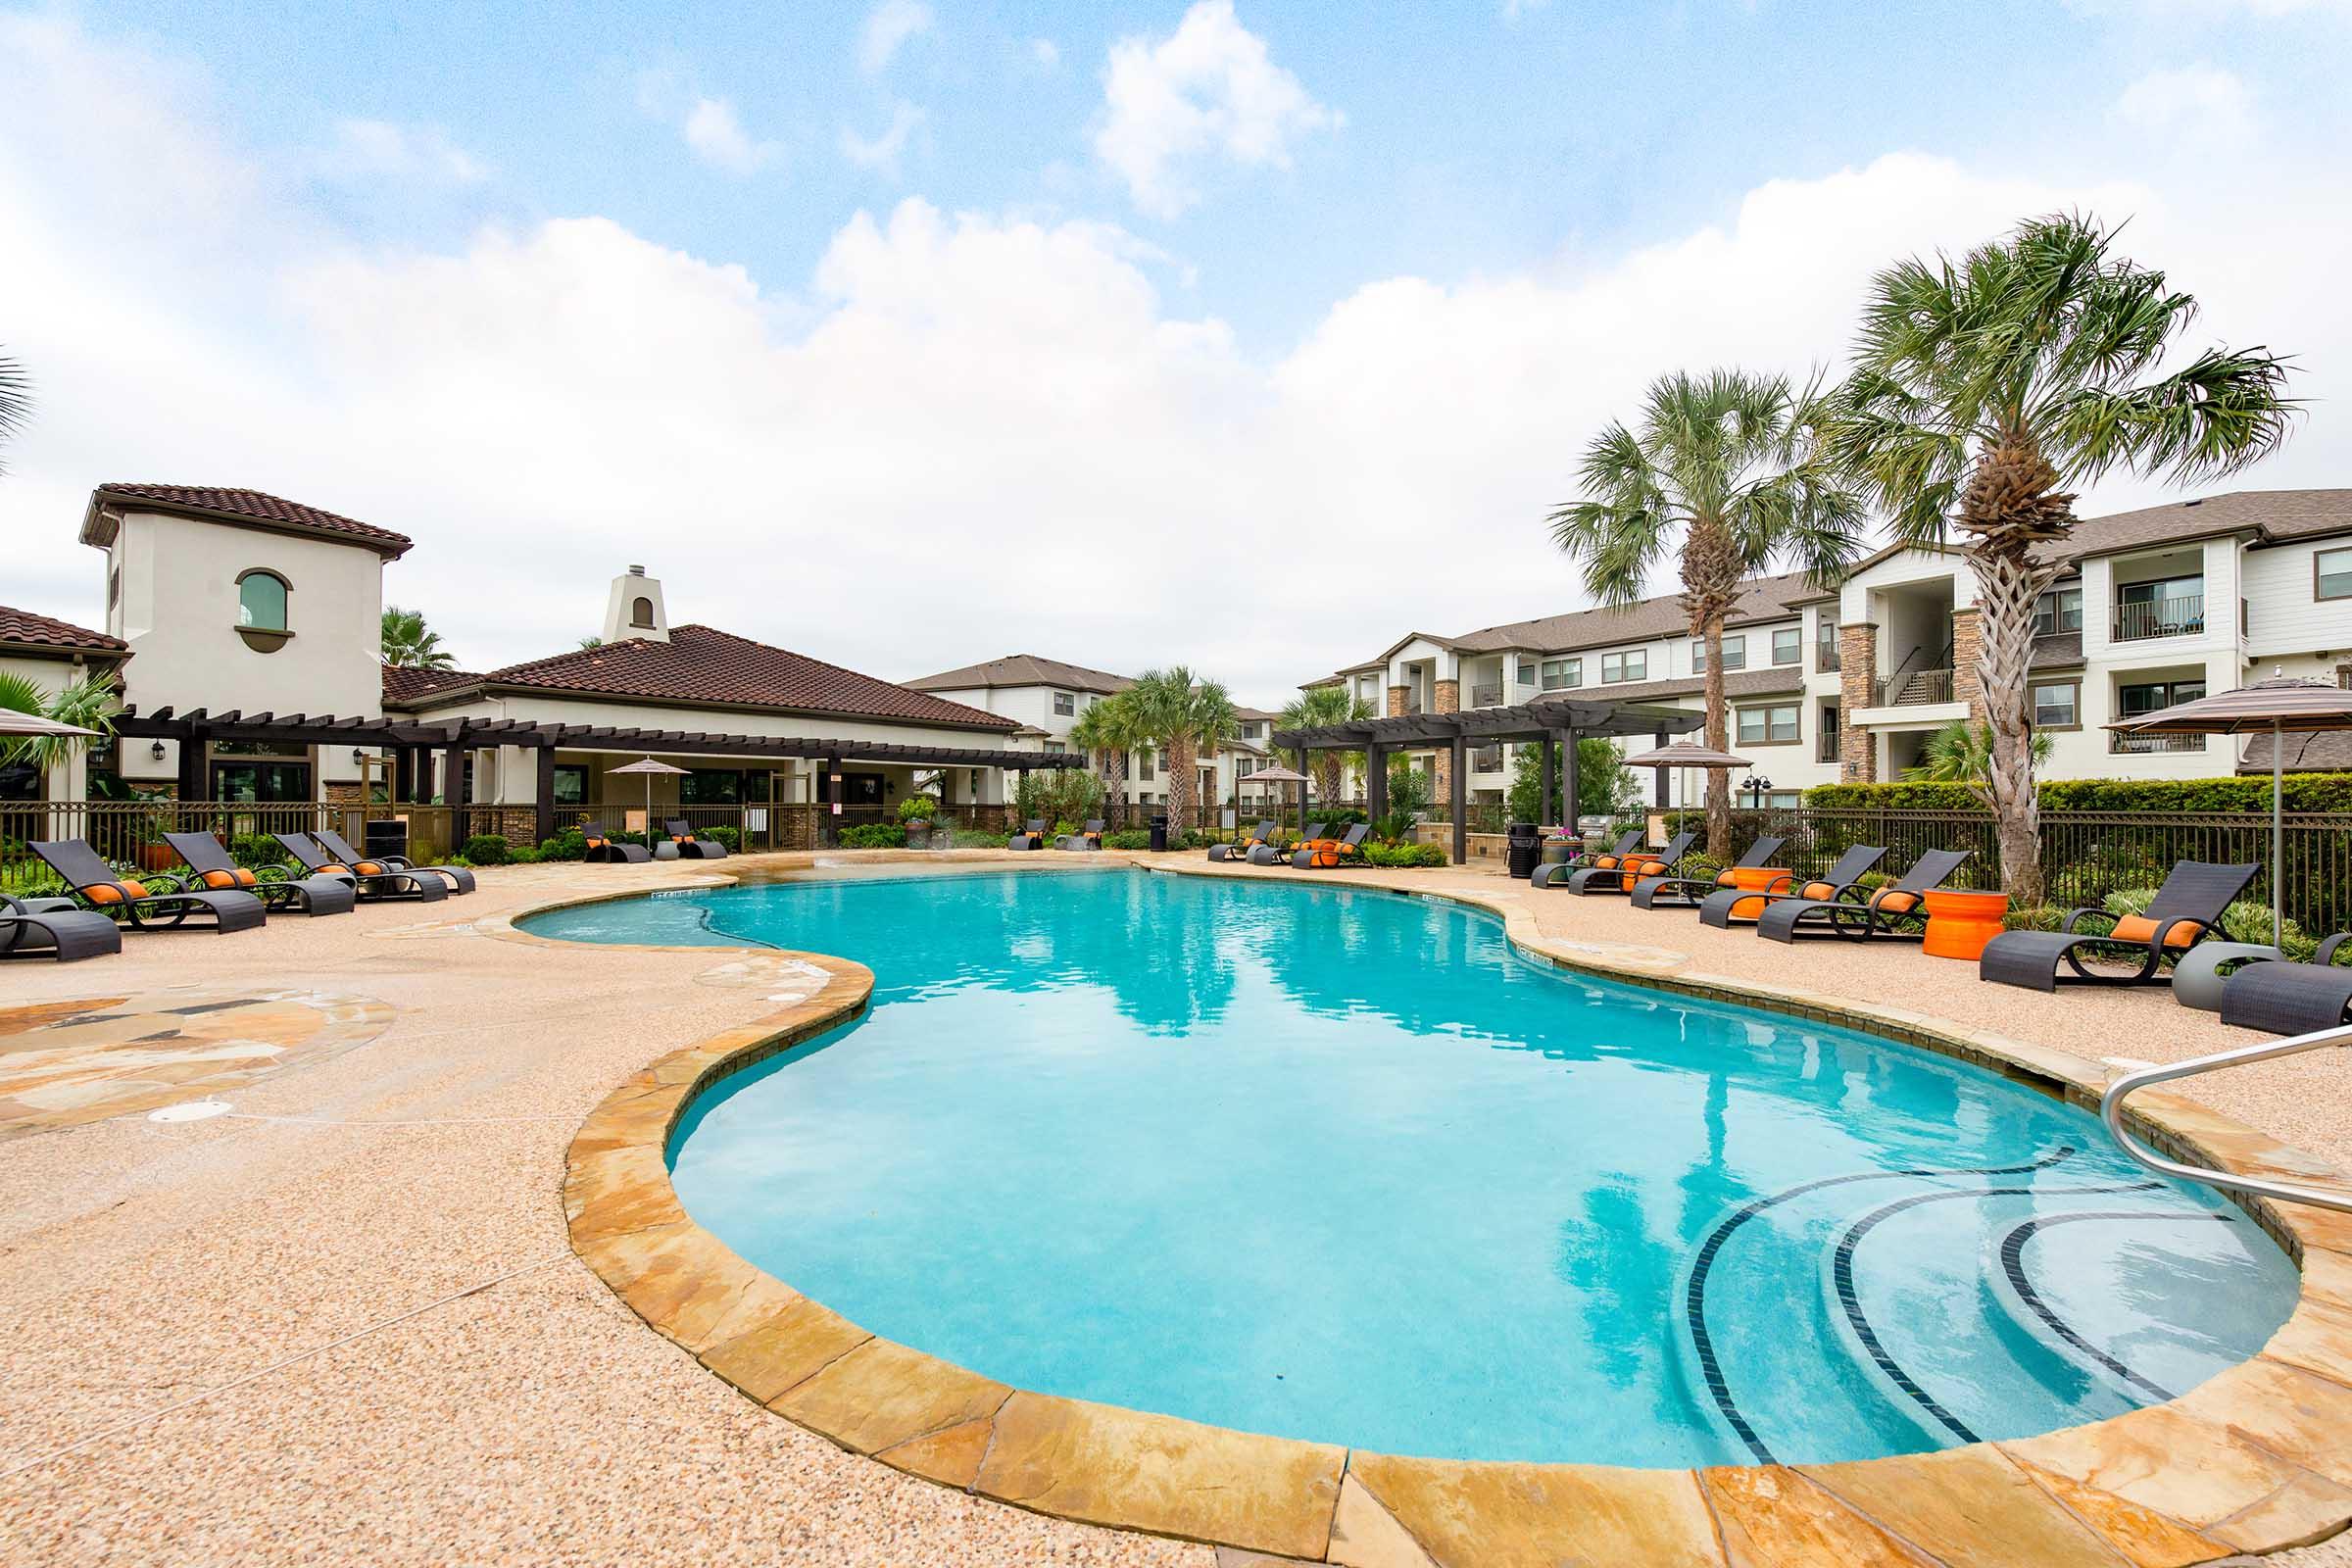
point(413, 743)
point(1566, 721)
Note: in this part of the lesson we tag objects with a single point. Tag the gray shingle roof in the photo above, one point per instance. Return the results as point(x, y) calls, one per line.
point(1022, 669)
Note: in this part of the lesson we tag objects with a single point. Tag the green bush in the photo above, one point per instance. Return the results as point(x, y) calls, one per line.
point(569, 845)
point(2039, 917)
point(873, 836)
point(2303, 792)
point(1192, 839)
point(1700, 867)
point(980, 838)
point(1062, 829)
point(918, 808)
point(1399, 855)
point(729, 838)
point(484, 849)
point(1131, 838)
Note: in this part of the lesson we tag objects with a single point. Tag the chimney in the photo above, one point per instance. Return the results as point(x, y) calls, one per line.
point(634, 609)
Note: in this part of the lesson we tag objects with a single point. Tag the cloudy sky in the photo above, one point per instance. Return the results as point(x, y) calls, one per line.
point(908, 334)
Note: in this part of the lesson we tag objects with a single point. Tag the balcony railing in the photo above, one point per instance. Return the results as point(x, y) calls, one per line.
point(1826, 749)
point(1486, 697)
point(2180, 617)
point(2122, 744)
point(1485, 759)
point(1825, 658)
point(1919, 687)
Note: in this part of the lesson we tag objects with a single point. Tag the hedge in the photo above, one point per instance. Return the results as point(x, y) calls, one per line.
point(2304, 792)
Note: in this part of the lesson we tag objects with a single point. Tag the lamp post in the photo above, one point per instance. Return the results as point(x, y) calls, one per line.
point(1757, 789)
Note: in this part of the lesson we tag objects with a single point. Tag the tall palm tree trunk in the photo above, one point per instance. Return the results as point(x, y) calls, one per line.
point(1181, 782)
point(1115, 808)
point(1718, 732)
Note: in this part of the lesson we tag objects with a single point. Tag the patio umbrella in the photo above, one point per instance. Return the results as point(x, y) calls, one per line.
point(1686, 753)
point(13, 722)
point(1284, 775)
point(648, 767)
point(2277, 708)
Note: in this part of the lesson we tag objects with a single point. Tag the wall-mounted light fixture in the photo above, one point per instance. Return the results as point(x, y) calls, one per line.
point(358, 755)
point(156, 751)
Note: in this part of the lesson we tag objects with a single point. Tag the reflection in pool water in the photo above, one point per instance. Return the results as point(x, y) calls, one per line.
point(1337, 1164)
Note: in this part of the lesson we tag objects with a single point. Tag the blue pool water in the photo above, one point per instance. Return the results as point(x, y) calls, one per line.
point(1338, 1164)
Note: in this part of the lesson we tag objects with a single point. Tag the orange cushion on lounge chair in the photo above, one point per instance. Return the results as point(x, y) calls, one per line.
point(369, 868)
point(239, 878)
point(1897, 902)
point(1647, 868)
point(1607, 862)
point(114, 892)
point(681, 838)
point(335, 868)
point(1821, 890)
point(2139, 928)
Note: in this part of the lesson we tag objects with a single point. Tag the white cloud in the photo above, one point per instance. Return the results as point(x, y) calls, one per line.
point(1210, 88)
point(364, 149)
point(1046, 53)
point(881, 153)
point(2200, 101)
point(869, 464)
point(889, 25)
point(717, 137)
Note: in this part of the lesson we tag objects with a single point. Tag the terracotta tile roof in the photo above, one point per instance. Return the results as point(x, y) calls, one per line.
point(701, 665)
point(25, 628)
point(1022, 669)
point(246, 505)
point(404, 685)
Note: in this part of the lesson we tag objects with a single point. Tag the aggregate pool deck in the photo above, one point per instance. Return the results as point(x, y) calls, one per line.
point(347, 1321)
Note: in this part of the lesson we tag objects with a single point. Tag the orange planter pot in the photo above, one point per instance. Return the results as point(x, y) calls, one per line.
point(1959, 924)
point(1758, 877)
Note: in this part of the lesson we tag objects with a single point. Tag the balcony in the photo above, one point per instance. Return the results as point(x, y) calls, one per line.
point(1915, 690)
point(1485, 759)
point(1486, 696)
point(2122, 744)
point(1826, 748)
point(1825, 658)
point(2180, 615)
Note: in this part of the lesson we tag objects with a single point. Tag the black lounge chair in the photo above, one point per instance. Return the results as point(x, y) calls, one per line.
point(459, 878)
point(370, 887)
point(1089, 837)
point(216, 871)
point(1322, 854)
point(2187, 908)
point(1032, 837)
point(1240, 848)
point(1899, 909)
point(54, 928)
point(1267, 855)
point(1685, 892)
point(2291, 998)
point(94, 882)
point(690, 848)
point(1629, 872)
point(1628, 843)
point(1718, 908)
point(602, 851)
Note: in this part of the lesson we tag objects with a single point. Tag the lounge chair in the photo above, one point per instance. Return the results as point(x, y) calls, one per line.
point(94, 882)
point(1746, 905)
point(2187, 908)
point(1899, 909)
point(459, 878)
point(1323, 854)
point(681, 834)
point(214, 870)
point(2291, 998)
point(1629, 872)
point(53, 928)
point(1089, 837)
point(1267, 855)
point(602, 851)
point(369, 887)
point(1032, 837)
point(1685, 892)
point(1609, 859)
point(1240, 848)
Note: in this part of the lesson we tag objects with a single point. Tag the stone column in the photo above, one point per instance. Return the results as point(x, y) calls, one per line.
point(1445, 698)
point(1396, 702)
point(1966, 644)
point(1857, 673)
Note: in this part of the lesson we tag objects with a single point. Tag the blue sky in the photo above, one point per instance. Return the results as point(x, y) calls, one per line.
point(957, 278)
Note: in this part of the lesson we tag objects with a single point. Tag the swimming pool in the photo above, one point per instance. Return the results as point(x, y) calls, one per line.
point(1334, 1164)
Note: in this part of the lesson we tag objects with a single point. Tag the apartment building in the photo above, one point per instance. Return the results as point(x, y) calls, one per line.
point(1825, 685)
point(1045, 696)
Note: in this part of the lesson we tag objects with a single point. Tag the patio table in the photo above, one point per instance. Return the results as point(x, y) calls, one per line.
point(1960, 923)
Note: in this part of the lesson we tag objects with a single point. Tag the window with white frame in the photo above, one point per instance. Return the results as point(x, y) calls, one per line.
point(1617, 668)
point(1734, 653)
point(1773, 725)
point(1526, 672)
point(1787, 644)
point(2331, 573)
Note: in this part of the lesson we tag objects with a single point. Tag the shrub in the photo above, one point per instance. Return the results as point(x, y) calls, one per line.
point(1700, 867)
point(980, 838)
point(1057, 794)
point(873, 836)
point(2039, 917)
point(1063, 830)
point(915, 808)
point(484, 849)
point(1191, 838)
point(569, 845)
point(2303, 792)
point(1133, 838)
point(1398, 855)
point(258, 852)
point(728, 838)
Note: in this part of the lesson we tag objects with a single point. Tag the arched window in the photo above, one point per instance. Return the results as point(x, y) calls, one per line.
point(262, 599)
point(641, 611)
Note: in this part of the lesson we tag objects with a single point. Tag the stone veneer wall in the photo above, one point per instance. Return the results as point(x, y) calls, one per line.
point(1967, 685)
point(1446, 699)
point(1396, 702)
point(1858, 669)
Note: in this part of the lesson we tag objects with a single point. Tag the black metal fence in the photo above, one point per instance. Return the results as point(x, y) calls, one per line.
point(2084, 855)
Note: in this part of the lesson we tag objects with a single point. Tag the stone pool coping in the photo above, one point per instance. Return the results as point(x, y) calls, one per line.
point(2256, 1459)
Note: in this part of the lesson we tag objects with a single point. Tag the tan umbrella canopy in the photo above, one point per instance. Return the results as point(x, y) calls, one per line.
point(1686, 753)
point(2277, 708)
point(13, 722)
point(1283, 775)
point(647, 768)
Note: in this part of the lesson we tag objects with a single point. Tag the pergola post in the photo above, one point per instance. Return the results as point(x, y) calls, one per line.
point(1461, 800)
point(1544, 781)
point(1571, 791)
point(1658, 790)
point(192, 782)
point(543, 759)
point(832, 803)
point(1302, 777)
point(1376, 780)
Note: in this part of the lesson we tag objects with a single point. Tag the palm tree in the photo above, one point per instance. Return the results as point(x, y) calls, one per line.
point(1186, 719)
point(87, 703)
point(1961, 753)
point(1984, 391)
point(1107, 733)
point(409, 645)
point(16, 401)
point(1328, 705)
point(1728, 467)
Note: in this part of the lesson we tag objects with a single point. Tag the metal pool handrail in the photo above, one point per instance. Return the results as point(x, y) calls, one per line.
point(2111, 1111)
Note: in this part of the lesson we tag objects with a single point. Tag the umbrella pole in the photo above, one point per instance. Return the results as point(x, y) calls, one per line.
point(2277, 839)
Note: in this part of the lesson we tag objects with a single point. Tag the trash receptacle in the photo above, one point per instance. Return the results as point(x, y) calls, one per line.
point(1524, 849)
point(386, 838)
point(1160, 832)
